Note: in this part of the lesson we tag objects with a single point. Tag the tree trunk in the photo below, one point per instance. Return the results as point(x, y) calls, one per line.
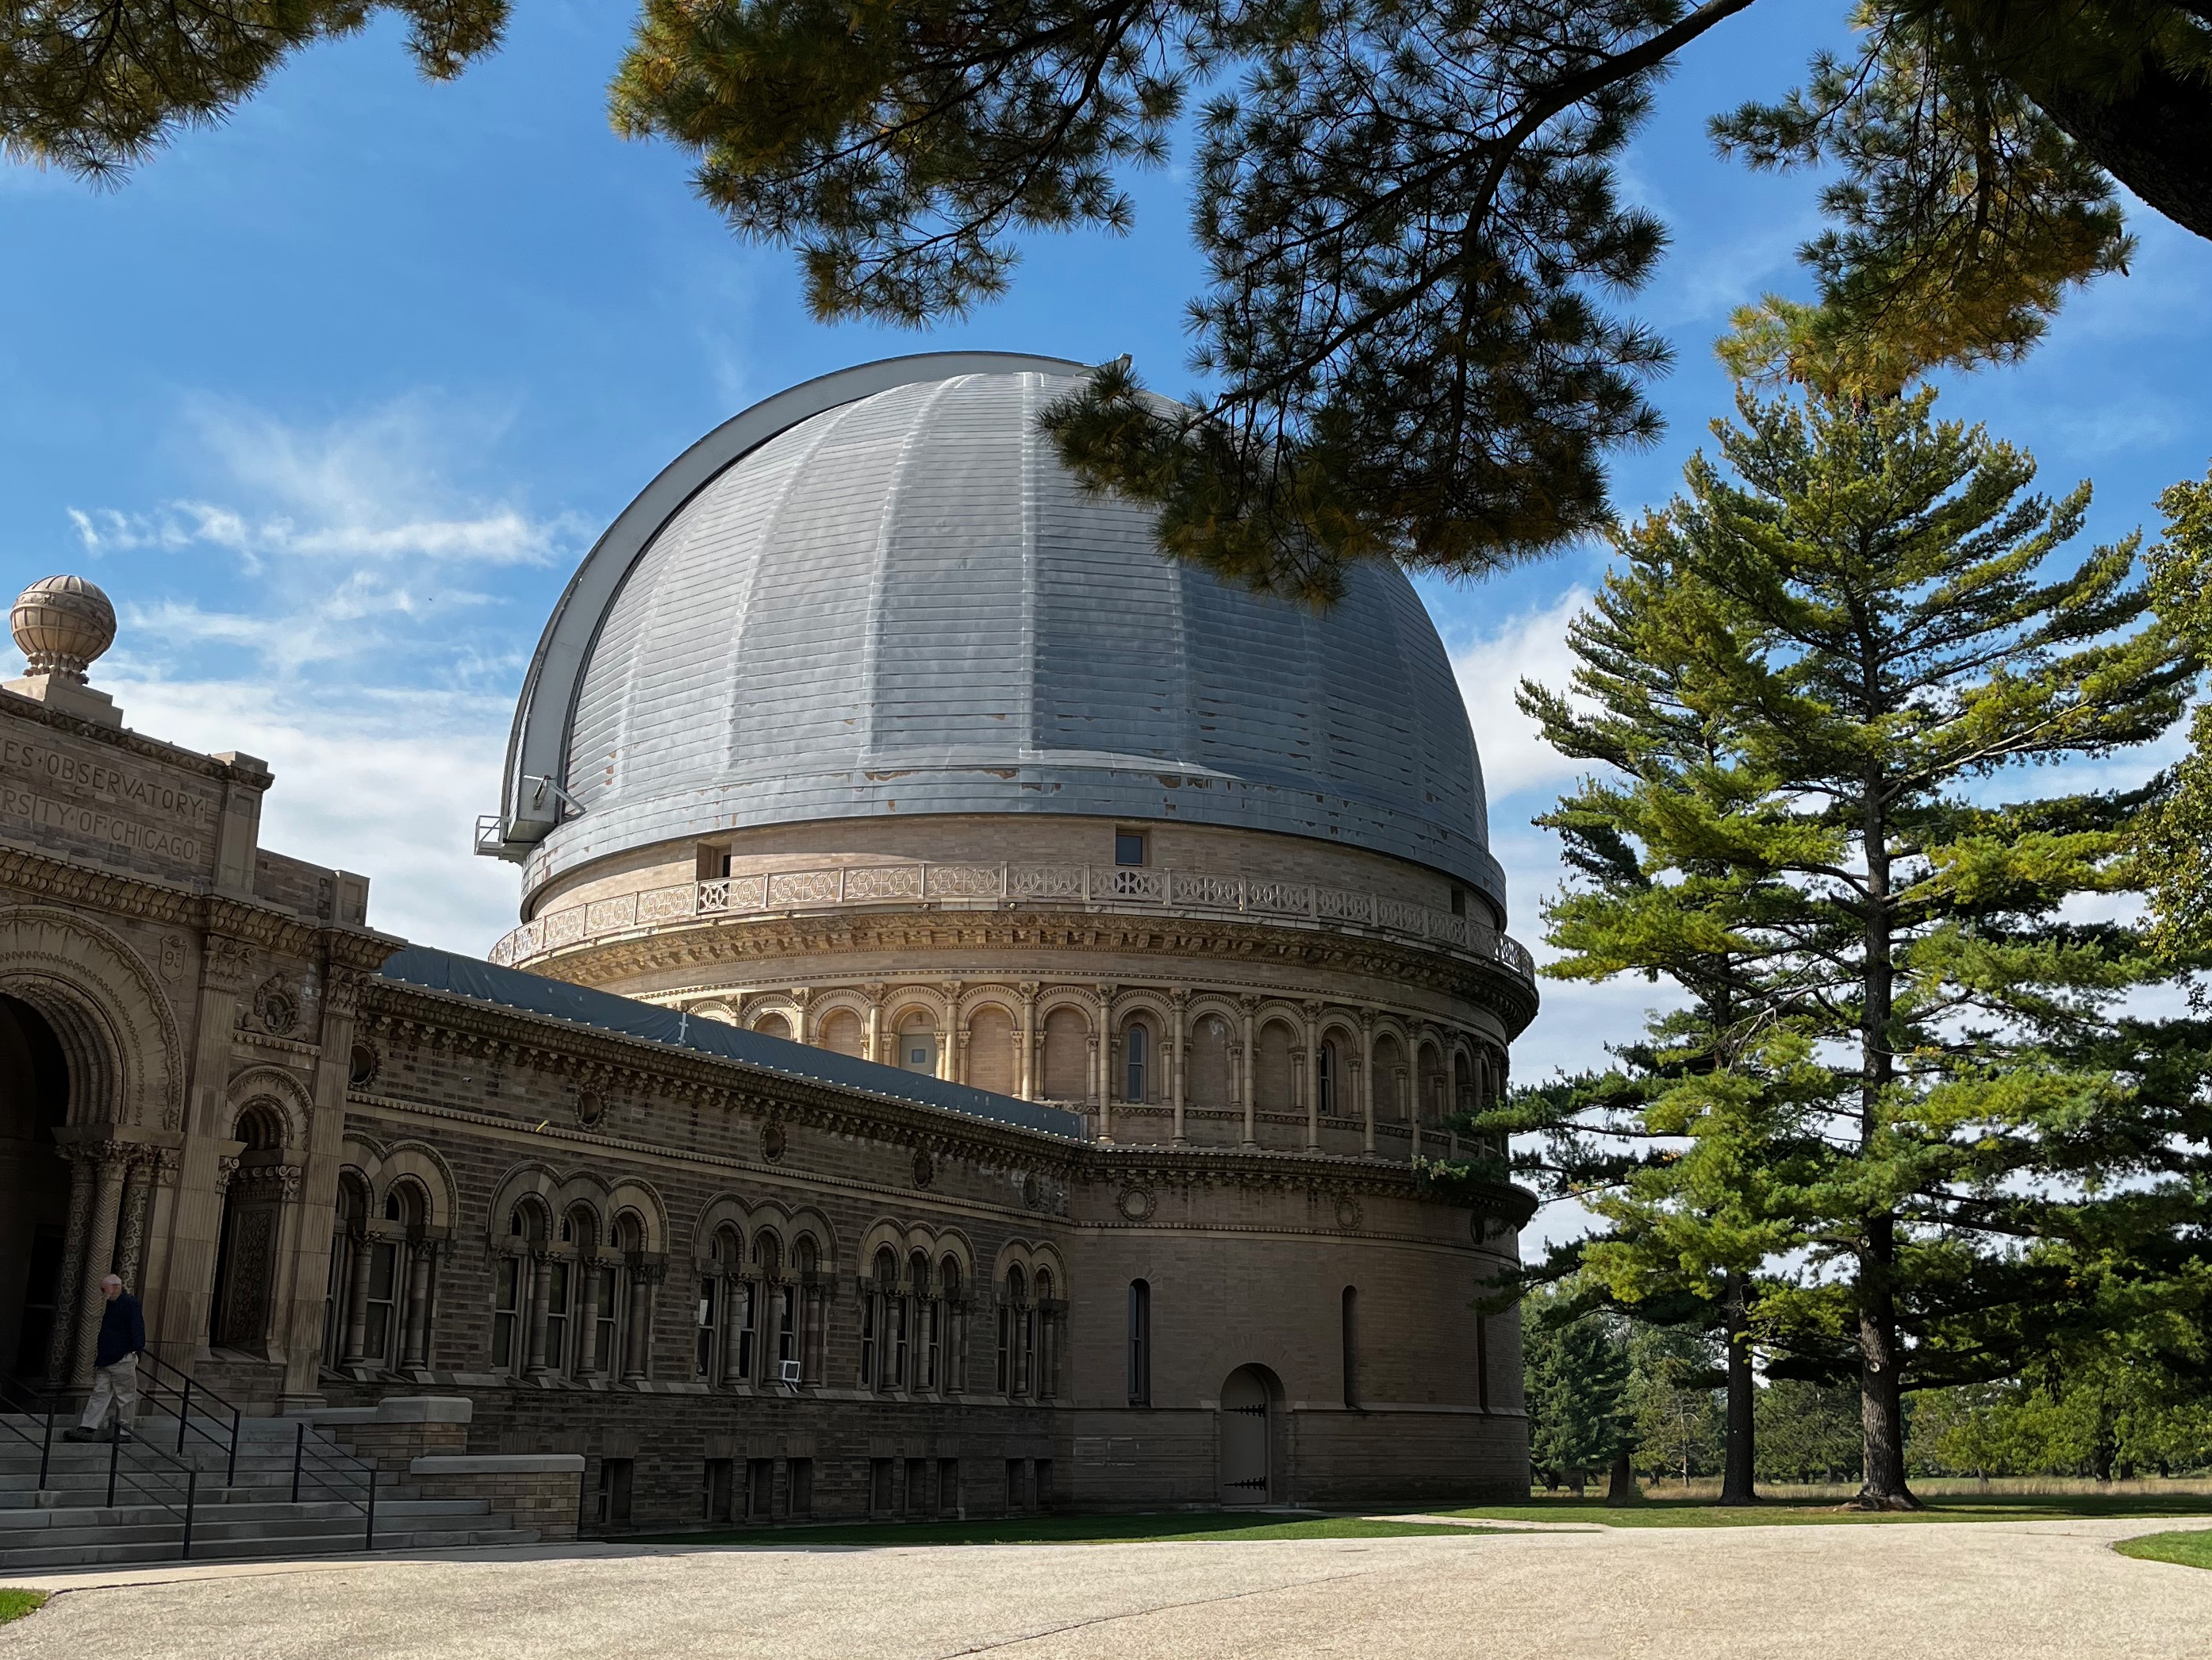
point(1882, 1401)
point(1738, 1478)
point(1881, 1398)
point(1621, 1486)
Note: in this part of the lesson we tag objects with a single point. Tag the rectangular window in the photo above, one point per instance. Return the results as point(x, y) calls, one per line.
point(557, 1312)
point(1140, 1343)
point(932, 1351)
point(899, 1307)
point(1016, 1497)
point(879, 1486)
point(948, 1487)
point(1129, 846)
point(383, 1302)
point(1352, 1347)
point(507, 1308)
point(760, 1488)
point(606, 1358)
point(868, 1314)
point(1024, 1351)
point(802, 1486)
point(615, 1475)
point(747, 1301)
point(1005, 1358)
point(787, 1327)
point(917, 1486)
point(719, 1475)
point(704, 1340)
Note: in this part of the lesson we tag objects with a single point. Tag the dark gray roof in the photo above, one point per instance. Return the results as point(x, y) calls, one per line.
point(900, 602)
point(531, 993)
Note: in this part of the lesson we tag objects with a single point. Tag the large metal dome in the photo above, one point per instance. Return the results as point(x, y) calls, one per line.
point(896, 601)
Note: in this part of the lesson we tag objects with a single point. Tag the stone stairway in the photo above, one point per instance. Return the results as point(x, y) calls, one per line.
point(69, 1522)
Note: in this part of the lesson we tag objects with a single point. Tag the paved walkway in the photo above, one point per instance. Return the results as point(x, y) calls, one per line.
point(1902, 1591)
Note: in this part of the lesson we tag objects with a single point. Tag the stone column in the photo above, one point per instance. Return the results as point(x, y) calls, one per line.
point(873, 1043)
point(734, 1290)
point(541, 1297)
point(1177, 1058)
point(356, 1318)
point(100, 1254)
point(1367, 1080)
point(634, 1366)
point(1249, 1007)
point(1311, 1073)
point(1026, 1081)
point(414, 1353)
point(1101, 1060)
point(61, 1349)
point(952, 1043)
point(590, 1360)
point(131, 1245)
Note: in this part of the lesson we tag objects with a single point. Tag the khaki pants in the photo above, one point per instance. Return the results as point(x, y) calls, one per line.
point(117, 1386)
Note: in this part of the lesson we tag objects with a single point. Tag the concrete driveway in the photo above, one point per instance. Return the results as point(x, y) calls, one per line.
point(1898, 1591)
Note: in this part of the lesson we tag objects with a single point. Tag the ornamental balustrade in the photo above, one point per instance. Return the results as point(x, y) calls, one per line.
point(1094, 887)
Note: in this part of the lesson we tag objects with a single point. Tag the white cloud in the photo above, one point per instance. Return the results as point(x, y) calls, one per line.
point(1530, 646)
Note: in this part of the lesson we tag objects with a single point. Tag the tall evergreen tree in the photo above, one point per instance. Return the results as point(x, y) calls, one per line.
point(1870, 620)
point(1575, 1367)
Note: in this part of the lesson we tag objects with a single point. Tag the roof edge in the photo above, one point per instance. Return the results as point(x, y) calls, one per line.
point(537, 750)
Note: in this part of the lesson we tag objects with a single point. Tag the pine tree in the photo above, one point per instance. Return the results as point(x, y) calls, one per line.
point(1870, 621)
point(1574, 1365)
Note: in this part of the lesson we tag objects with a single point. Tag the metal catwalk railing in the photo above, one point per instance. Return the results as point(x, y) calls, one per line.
point(991, 887)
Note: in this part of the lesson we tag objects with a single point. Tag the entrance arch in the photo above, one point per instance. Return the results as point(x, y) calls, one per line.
point(34, 1186)
point(1247, 1437)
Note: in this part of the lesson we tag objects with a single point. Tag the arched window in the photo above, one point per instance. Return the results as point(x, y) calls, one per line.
point(773, 1025)
point(883, 1335)
point(1390, 1080)
point(1140, 1343)
point(806, 1268)
point(1044, 1342)
point(928, 1324)
point(1136, 1056)
point(1019, 1331)
point(1274, 1069)
point(917, 1044)
point(1325, 1066)
point(1352, 1347)
point(1209, 1063)
point(953, 1362)
point(992, 1050)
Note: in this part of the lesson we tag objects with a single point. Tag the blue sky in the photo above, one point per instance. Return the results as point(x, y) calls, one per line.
point(332, 398)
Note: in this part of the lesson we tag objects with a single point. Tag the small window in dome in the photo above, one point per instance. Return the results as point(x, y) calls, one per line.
point(1129, 846)
point(1459, 901)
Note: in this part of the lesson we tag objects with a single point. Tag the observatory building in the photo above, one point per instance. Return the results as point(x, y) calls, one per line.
point(982, 1000)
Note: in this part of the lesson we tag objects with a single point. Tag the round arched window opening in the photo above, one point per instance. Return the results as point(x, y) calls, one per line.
point(361, 1067)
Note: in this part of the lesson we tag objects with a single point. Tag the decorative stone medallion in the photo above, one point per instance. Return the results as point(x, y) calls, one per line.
point(1136, 1203)
point(172, 956)
point(1347, 1212)
point(276, 1008)
point(1032, 1191)
point(925, 1168)
point(773, 1141)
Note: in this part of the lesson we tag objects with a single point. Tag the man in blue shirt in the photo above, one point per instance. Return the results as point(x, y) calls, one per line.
point(115, 1366)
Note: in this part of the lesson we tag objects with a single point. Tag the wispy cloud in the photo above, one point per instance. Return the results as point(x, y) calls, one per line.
point(1532, 645)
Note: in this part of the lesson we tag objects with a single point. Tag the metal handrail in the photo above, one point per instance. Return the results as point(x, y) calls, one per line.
point(330, 1456)
point(1087, 887)
point(117, 1474)
point(175, 1381)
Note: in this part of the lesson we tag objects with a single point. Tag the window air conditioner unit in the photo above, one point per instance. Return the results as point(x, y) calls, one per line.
point(788, 1370)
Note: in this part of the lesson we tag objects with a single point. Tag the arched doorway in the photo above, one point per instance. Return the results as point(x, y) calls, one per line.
point(34, 1186)
point(1247, 1437)
point(245, 1249)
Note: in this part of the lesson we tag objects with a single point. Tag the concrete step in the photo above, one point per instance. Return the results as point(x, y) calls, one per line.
point(397, 1510)
point(92, 1554)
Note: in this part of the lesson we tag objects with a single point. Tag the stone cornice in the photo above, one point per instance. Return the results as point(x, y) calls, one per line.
point(15, 707)
point(36, 873)
point(721, 942)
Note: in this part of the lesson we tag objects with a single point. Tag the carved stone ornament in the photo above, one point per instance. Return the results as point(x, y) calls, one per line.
point(173, 957)
point(229, 963)
point(277, 1007)
point(772, 1141)
point(1136, 1203)
point(1032, 1191)
point(925, 1168)
point(1347, 1212)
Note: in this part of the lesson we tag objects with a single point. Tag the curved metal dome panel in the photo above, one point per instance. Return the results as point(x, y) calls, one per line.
point(903, 604)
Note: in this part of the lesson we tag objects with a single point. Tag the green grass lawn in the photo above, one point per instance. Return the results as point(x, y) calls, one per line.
point(1699, 1513)
point(1072, 1530)
point(15, 1604)
point(2191, 1550)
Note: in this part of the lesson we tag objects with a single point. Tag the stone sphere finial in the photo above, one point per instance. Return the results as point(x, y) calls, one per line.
point(61, 623)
